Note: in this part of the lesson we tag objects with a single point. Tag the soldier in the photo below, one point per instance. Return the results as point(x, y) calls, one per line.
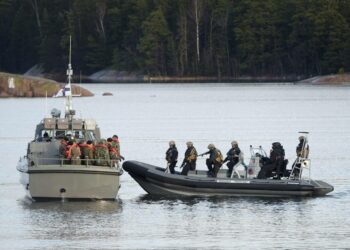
point(73, 153)
point(302, 151)
point(215, 160)
point(189, 162)
point(275, 162)
point(87, 152)
point(116, 142)
point(62, 150)
point(171, 156)
point(46, 137)
point(232, 157)
point(114, 153)
point(102, 153)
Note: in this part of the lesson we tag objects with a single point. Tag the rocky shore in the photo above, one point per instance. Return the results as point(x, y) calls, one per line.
point(12, 85)
point(338, 79)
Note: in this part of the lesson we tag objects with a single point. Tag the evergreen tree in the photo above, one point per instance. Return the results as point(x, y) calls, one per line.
point(155, 43)
point(183, 37)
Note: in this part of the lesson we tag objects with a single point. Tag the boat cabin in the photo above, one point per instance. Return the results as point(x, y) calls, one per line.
point(44, 149)
point(58, 128)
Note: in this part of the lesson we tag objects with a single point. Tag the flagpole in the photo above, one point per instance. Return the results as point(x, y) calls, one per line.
point(69, 112)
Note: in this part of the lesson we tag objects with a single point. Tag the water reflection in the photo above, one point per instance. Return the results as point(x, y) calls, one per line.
point(100, 206)
point(72, 220)
point(147, 198)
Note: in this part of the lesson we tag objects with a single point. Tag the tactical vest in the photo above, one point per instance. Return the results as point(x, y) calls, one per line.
point(218, 156)
point(192, 155)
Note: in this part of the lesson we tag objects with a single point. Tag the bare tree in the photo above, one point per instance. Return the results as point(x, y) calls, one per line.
point(34, 4)
point(101, 8)
point(198, 13)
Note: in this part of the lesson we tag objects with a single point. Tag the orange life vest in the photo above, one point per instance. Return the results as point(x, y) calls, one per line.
point(101, 146)
point(113, 150)
point(70, 150)
point(89, 146)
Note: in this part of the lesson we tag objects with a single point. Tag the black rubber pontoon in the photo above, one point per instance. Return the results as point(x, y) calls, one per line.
point(155, 181)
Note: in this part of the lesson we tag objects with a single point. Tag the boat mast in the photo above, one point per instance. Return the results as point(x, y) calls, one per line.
point(69, 112)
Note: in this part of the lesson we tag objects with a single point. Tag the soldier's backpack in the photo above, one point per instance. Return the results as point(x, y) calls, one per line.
point(218, 157)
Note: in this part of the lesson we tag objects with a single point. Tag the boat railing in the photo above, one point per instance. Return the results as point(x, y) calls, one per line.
point(302, 161)
point(300, 165)
point(37, 161)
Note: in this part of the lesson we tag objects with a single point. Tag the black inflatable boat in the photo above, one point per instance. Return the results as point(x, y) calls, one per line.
point(156, 181)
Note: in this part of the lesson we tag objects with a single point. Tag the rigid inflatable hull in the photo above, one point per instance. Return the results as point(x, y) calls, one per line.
point(155, 181)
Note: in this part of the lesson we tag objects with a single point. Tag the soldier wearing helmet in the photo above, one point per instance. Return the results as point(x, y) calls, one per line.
point(275, 163)
point(232, 157)
point(102, 153)
point(215, 160)
point(302, 151)
point(189, 162)
point(171, 156)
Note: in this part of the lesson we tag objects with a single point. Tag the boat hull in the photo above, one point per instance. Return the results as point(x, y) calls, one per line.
point(155, 181)
point(71, 182)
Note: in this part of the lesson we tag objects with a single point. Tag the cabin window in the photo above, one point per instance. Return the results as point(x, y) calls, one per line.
point(45, 135)
point(60, 134)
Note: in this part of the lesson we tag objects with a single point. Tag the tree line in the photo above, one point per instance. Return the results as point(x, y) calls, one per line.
point(178, 37)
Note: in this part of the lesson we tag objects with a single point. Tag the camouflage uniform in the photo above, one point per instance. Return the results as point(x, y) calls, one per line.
point(62, 150)
point(87, 152)
point(102, 154)
point(75, 160)
point(114, 150)
point(73, 153)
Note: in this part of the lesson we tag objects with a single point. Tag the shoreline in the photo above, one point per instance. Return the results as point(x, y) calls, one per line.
point(343, 79)
point(15, 85)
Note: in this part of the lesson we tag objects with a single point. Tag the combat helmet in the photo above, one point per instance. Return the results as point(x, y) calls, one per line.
point(102, 141)
point(211, 146)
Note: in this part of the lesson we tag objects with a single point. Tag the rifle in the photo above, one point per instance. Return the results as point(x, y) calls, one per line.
point(183, 164)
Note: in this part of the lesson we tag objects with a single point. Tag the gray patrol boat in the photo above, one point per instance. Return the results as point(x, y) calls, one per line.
point(46, 175)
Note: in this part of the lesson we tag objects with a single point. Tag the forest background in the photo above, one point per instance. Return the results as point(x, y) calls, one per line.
point(234, 38)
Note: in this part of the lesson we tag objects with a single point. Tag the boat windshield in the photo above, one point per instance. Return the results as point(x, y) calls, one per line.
point(47, 135)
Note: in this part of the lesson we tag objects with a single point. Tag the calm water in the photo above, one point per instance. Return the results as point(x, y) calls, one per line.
point(146, 117)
